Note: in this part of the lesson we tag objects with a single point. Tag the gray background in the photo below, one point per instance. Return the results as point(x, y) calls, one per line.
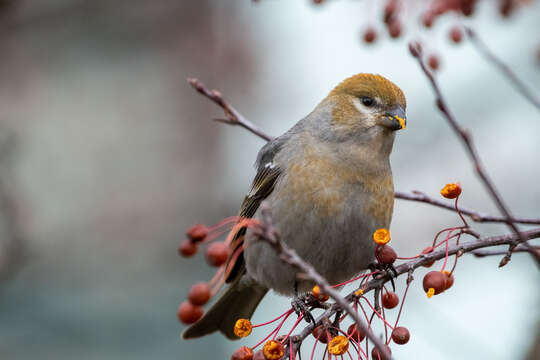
point(115, 156)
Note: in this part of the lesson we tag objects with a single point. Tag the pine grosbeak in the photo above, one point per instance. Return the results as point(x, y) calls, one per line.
point(329, 184)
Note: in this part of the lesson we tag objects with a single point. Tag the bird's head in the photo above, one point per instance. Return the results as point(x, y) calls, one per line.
point(366, 106)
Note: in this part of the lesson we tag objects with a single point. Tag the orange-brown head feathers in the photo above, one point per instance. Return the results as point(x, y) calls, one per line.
point(372, 86)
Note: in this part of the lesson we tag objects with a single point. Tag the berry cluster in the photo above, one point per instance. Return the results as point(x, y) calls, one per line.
point(394, 14)
point(336, 341)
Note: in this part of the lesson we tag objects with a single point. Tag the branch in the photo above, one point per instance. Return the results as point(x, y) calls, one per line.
point(410, 266)
point(488, 54)
point(233, 117)
point(419, 196)
point(290, 256)
point(416, 51)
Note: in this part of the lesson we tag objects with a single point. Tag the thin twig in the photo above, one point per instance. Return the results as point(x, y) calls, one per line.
point(290, 256)
point(465, 136)
point(233, 117)
point(490, 56)
point(519, 248)
point(419, 196)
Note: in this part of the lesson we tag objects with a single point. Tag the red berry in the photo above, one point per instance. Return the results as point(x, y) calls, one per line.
point(370, 35)
point(217, 254)
point(456, 34)
point(386, 255)
point(427, 18)
point(390, 300)
point(449, 279)
point(467, 7)
point(433, 62)
point(394, 29)
point(197, 233)
point(355, 333)
point(321, 334)
point(189, 313)
point(199, 294)
point(506, 7)
point(435, 280)
point(390, 10)
point(401, 335)
point(187, 248)
point(242, 353)
point(376, 355)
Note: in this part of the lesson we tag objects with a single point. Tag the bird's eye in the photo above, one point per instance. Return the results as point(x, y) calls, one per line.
point(367, 101)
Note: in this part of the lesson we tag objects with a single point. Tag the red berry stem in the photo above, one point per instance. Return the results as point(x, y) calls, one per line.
point(401, 307)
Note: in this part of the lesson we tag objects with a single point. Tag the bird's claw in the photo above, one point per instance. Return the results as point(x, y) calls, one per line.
point(300, 308)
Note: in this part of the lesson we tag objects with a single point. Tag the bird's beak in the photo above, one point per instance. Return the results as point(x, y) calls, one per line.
point(395, 119)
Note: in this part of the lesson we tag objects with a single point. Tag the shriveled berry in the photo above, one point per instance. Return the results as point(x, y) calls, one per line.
point(355, 333)
point(321, 334)
point(370, 35)
point(436, 281)
point(394, 29)
point(338, 345)
point(199, 294)
point(242, 353)
point(401, 335)
point(318, 294)
point(217, 254)
point(434, 62)
point(386, 255)
point(189, 313)
point(506, 7)
point(449, 279)
point(390, 300)
point(273, 350)
point(377, 355)
point(259, 355)
point(197, 232)
point(451, 191)
point(415, 48)
point(187, 248)
point(456, 35)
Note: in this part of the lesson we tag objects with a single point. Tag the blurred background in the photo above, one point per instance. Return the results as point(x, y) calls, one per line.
point(107, 156)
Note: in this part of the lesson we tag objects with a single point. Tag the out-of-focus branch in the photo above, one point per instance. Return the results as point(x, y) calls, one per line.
point(490, 56)
point(307, 271)
point(419, 196)
point(519, 248)
point(416, 50)
point(233, 117)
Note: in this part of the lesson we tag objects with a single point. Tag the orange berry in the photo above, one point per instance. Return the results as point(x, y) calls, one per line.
point(189, 313)
point(318, 294)
point(242, 353)
point(381, 236)
point(401, 335)
point(451, 191)
point(242, 328)
point(217, 254)
point(199, 294)
point(338, 345)
point(354, 332)
point(390, 300)
point(434, 283)
point(187, 248)
point(273, 350)
point(197, 233)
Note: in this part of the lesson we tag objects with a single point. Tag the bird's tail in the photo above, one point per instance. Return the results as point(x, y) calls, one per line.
point(239, 301)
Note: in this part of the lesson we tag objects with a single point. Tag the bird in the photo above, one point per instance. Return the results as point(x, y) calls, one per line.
point(329, 185)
